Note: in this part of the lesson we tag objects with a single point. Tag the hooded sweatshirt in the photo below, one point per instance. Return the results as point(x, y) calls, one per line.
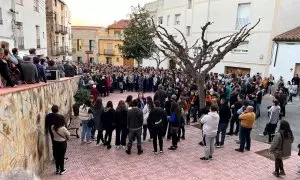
point(210, 124)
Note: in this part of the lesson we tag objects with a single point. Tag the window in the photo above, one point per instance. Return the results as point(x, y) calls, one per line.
point(108, 60)
point(160, 20)
point(188, 30)
point(168, 20)
point(38, 39)
point(36, 5)
point(79, 44)
point(62, 7)
point(91, 60)
point(20, 2)
point(177, 19)
point(117, 59)
point(91, 45)
point(1, 20)
point(242, 48)
point(20, 36)
point(55, 2)
point(189, 4)
point(243, 15)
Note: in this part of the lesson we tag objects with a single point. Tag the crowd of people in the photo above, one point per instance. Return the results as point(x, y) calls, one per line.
point(232, 102)
point(31, 69)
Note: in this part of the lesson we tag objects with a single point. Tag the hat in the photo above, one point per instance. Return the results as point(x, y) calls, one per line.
point(173, 97)
point(1, 50)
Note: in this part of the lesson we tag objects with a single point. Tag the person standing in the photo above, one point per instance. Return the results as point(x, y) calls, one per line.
point(225, 115)
point(4, 68)
point(146, 110)
point(259, 95)
point(174, 123)
point(30, 71)
point(210, 127)
point(134, 124)
point(108, 118)
point(160, 95)
point(86, 116)
point(247, 121)
point(235, 117)
point(121, 125)
point(156, 121)
point(282, 146)
point(98, 111)
point(40, 69)
point(60, 137)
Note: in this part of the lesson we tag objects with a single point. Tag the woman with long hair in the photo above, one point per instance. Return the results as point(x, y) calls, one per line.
point(121, 125)
point(98, 111)
point(282, 146)
point(86, 116)
point(174, 121)
point(146, 110)
point(108, 118)
point(128, 101)
point(60, 137)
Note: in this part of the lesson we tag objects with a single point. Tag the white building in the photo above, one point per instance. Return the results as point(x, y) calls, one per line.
point(286, 55)
point(6, 34)
point(228, 16)
point(30, 26)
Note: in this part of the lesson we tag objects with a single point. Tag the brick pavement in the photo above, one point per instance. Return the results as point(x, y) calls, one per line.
point(88, 162)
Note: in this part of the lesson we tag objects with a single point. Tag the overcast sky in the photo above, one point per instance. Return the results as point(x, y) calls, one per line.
point(100, 12)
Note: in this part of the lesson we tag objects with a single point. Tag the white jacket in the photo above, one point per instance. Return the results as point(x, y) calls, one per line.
point(210, 124)
point(145, 114)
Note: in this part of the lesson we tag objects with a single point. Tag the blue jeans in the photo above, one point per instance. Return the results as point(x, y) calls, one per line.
point(245, 138)
point(86, 131)
point(258, 110)
point(221, 129)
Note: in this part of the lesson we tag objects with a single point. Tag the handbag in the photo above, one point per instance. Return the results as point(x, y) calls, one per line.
point(172, 118)
point(61, 135)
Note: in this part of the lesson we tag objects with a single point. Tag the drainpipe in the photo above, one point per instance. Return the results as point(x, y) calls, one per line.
point(276, 53)
point(13, 21)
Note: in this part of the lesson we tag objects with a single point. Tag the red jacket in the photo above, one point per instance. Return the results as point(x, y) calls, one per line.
point(108, 81)
point(94, 93)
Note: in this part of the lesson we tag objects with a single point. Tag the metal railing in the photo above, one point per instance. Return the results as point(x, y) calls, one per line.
point(111, 37)
point(20, 42)
point(108, 51)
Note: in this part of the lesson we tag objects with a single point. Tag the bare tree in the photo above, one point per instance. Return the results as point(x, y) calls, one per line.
point(206, 54)
point(156, 55)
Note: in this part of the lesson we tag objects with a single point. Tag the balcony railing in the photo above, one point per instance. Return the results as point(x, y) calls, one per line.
point(111, 37)
point(108, 52)
point(38, 43)
point(21, 43)
point(61, 29)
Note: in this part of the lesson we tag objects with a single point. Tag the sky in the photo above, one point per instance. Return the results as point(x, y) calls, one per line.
point(100, 12)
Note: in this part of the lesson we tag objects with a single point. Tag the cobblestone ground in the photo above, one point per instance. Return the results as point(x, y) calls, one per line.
point(91, 162)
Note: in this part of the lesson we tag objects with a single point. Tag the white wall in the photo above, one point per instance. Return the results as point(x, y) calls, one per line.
point(287, 56)
point(29, 19)
point(6, 28)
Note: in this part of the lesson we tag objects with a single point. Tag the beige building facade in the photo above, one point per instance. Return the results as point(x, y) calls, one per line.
point(59, 30)
point(228, 16)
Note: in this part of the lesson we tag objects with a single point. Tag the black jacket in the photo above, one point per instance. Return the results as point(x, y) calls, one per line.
point(134, 118)
point(121, 119)
point(108, 119)
point(225, 113)
point(155, 116)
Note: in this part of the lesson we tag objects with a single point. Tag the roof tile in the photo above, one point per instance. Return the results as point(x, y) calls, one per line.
point(120, 24)
point(291, 35)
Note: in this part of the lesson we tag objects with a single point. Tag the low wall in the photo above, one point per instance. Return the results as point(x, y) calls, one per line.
point(23, 143)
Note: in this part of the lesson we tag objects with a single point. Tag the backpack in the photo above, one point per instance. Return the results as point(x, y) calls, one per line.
point(172, 118)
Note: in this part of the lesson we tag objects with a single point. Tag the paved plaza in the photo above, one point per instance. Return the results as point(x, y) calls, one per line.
point(88, 162)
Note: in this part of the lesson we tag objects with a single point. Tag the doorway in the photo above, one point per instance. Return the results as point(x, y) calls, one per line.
point(297, 69)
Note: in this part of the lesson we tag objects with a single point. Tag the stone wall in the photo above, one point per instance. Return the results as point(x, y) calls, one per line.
point(23, 143)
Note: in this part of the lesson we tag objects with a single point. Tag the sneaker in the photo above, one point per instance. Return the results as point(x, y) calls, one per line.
point(155, 152)
point(117, 147)
point(183, 138)
point(57, 171)
point(140, 152)
point(282, 173)
point(97, 144)
point(218, 146)
point(210, 157)
point(276, 174)
point(172, 148)
point(230, 134)
point(221, 146)
point(89, 142)
point(161, 151)
point(261, 134)
point(82, 142)
point(124, 147)
point(239, 150)
point(201, 143)
point(204, 158)
point(108, 146)
point(63, 172)
point(66, 159)
point(128, 152)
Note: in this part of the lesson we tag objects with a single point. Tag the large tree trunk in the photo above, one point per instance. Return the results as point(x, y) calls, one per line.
point(200, 83)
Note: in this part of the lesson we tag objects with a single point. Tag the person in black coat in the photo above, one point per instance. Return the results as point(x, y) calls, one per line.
point(174, 121)
point(156, 121)
point(121, 125)
point(108, 117)
point(225, 115)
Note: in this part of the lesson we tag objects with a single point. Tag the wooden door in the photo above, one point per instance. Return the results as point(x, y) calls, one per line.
point(128, 62)
point(237, 70)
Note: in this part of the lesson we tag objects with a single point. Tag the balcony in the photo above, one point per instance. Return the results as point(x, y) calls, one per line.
point(62, 50)
point(38, 43)
point(61, 29)
point(20, 43)
point(111, 37)
point(108, 52)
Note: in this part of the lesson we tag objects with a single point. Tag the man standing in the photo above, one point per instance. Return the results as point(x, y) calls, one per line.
point(225, 115)
point(134, 124)
point(247, 121)
point(30, 71)
point(160, 95)
point(40, 69)
point(259, 95)
point(210, 127)
point(296, 81)
point(235, 120)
